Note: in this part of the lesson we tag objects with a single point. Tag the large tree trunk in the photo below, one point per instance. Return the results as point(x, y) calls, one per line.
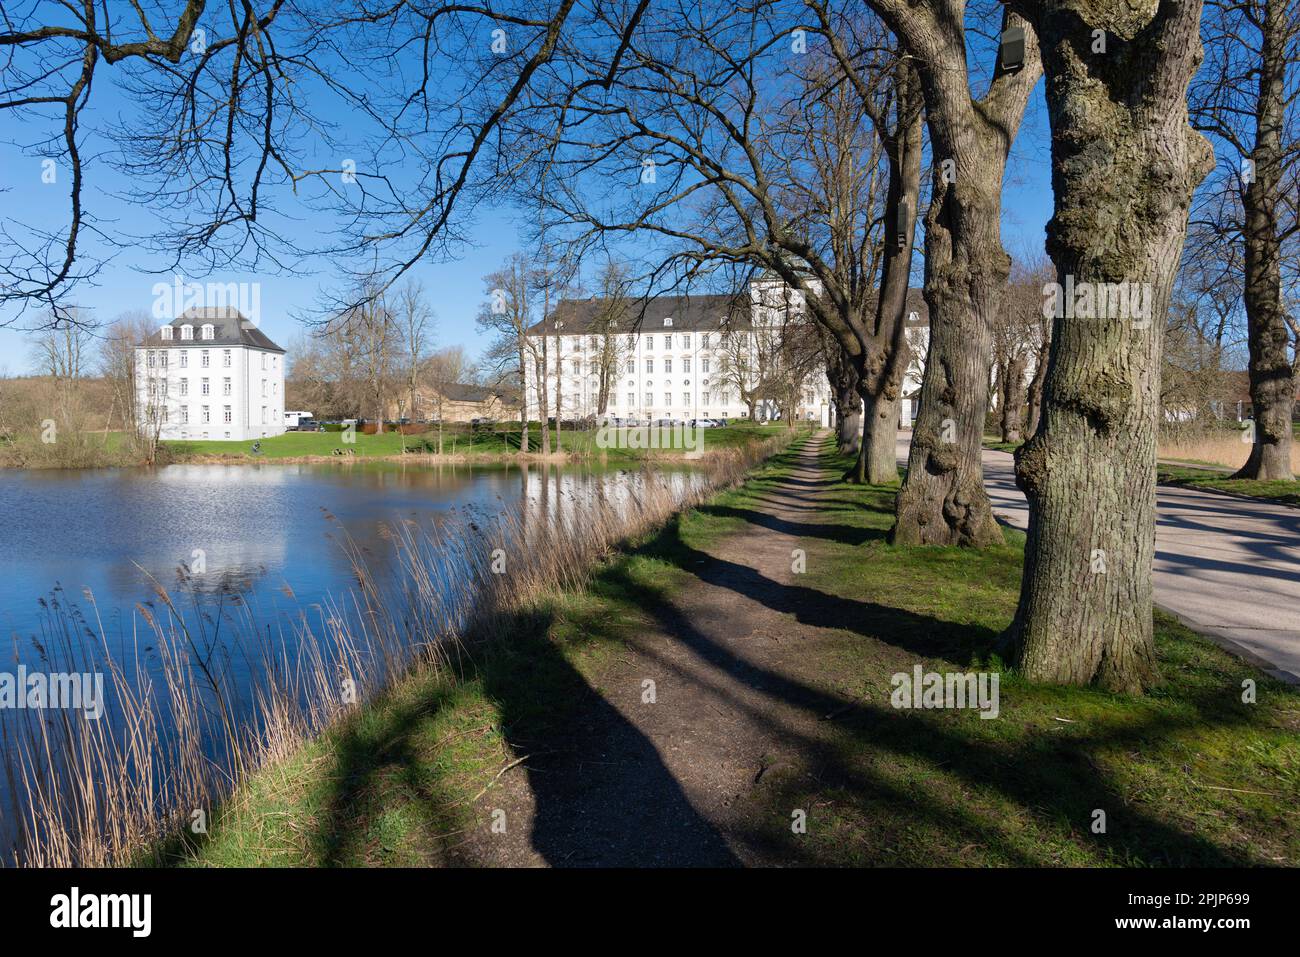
point(880, 442)
point(848, 422)
point(1124, 164)
point(942, 501)
point(1272, 385)
point(843, 379)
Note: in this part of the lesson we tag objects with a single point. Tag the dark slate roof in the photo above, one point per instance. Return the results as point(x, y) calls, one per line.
point(701, 313)
point(460, 392)
point(229, 328)
point(689, 314)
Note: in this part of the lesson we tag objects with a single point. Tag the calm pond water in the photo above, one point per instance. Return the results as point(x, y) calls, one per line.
point(82, 554)
point(268, 533)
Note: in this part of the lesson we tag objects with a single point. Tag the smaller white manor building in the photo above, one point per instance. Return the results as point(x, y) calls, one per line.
point(211, 374)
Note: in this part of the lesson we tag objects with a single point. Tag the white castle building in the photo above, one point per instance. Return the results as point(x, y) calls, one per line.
point(211, 374)
point(676, 357)
point(686, 357)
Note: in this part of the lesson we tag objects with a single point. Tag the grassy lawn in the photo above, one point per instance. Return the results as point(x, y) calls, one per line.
point(1186, 775)
point(459, 442)
point(995, 443)
point(1209, 480)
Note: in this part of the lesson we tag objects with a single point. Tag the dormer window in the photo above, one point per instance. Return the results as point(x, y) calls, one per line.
point(187, 331)
point(668, 322)
point(207, 330)
point(167, 332)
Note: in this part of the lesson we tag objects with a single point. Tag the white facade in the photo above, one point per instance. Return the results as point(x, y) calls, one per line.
point(681, 362)
point(210, 377)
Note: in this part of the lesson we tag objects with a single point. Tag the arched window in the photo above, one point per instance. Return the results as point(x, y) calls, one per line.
point(187, 331)
point(166, 332)
point(207, 330)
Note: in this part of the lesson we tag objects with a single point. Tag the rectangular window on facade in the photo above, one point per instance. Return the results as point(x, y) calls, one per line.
point(185, 358)
point(264, 392)
point(668, 342)
point(649, 365)
point(649, 342)
point(225, 358)
point(225, 386)
point(668, 398)
point(631, 399)
point(649, 399)
point(185, 386)
point(150, 358)
point(631, 365)
point(686, 365)
point(204, 388)
point(686, 342)
point(704, 340)
point(668, 365)
point(686, 398)
point(185, 415)
point(226, 415)
point(704, 365)
point(205, 359)
point(162, 359)
point(207, 415)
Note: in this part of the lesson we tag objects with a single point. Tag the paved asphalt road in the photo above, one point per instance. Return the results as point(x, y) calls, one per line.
point(1227, 567)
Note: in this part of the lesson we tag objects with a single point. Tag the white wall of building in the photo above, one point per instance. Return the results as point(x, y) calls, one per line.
point(664, 372)
point(212, 391)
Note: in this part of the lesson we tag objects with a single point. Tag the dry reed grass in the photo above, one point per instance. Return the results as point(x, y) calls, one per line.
point(181, 731)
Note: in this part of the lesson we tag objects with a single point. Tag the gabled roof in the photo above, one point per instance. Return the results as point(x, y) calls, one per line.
point(229, 328)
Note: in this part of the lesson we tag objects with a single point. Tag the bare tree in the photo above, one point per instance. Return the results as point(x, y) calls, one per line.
point(444, 369)
point(610, 324)
point(63, 346)
point(1246, 97)
point(221, 127)
point(508, 317)
point(726, 180)
point(414, 321)
point(1021, 335)
point(943, 500)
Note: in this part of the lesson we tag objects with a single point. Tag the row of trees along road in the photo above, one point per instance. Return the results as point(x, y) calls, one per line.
point(784, 137)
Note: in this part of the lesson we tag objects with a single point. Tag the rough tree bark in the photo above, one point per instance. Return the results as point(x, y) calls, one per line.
point(1272, 384)
point(943, 501)
point(1034, 399)
point(1125, 163)
point(1011, 398)
point(843, 378)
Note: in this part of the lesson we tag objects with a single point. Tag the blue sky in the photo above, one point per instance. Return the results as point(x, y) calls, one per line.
point(455, 288)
